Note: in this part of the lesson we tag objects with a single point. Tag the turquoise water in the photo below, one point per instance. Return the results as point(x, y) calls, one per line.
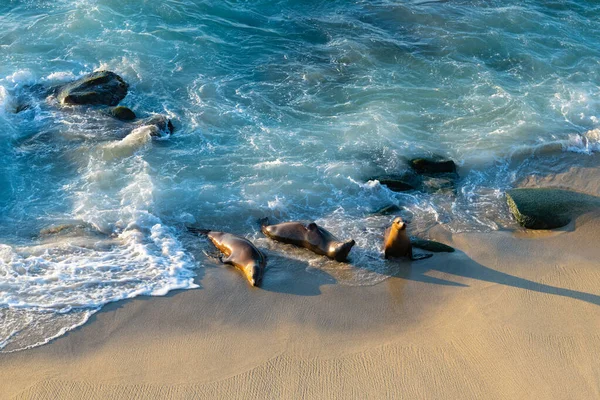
point(283, 109)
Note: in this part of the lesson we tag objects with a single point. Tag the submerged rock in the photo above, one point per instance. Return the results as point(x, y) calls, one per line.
point(97, 88)
point(431, 245)
point(69, 230)
point(22, 107)
point(123, 113)
point(388, 210)
point(548, 208)
point(434, 165)
point(444, 183)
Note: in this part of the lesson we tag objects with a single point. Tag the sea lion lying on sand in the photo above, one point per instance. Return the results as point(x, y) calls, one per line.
point(396, 242)
point(310, 236)
point(239, 252)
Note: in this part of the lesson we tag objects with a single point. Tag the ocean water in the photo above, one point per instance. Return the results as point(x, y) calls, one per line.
point(283, 109)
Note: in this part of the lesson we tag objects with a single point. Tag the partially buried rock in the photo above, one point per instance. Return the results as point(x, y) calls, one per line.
point(548, 208)
point(97, 88)
point(431, 245)
point(123, 113)
point(434, 165)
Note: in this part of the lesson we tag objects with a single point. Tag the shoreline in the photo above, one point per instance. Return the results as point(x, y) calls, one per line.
point(503, 316)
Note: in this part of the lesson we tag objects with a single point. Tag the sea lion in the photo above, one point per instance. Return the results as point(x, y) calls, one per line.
point(239, 252)
point(396, 242)
point(310, 236)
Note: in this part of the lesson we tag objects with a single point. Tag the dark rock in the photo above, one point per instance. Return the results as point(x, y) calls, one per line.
point(396, 185)
point(434, 165)
point(123, 113)
point(97, 88)
point(161, 124)
point(388, 210)
point(431, 245)
point(399, 183)
point(548, 208)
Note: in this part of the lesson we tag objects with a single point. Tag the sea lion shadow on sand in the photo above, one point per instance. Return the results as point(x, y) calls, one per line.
point(293, 276)
point(465, 267)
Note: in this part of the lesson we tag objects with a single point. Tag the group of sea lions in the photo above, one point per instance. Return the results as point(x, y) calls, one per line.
point(244, 255)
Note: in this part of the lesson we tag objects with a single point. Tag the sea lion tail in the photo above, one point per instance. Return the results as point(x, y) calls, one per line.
point(420, 256)
point(197, 231)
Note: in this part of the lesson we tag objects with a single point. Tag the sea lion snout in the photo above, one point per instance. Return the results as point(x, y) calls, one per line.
point(343, 249)
point(266, 229)
point(254, 274)
point(399, 223)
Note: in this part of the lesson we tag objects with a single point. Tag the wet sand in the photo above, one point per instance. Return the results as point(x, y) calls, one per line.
point(507, 316)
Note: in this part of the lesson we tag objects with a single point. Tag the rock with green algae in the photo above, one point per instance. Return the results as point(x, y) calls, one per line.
point(548, 208)
point(123, 113)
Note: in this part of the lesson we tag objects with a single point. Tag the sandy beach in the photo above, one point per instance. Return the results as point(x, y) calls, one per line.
point(510, 314)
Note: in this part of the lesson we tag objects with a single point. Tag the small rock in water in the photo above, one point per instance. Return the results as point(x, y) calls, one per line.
point(396, 185)
point(123, 113)
point(548, 208)
point(97, 88)
point(161, 124)
point(434, 165)
point(399, 183)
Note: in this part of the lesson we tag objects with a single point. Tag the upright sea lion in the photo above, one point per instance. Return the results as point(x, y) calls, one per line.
point(310, 236)
point(239, 252)
point(396, 242)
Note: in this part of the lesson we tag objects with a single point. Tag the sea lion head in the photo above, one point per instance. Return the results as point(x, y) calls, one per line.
point(253, 273)
point(341, 250)
point(399, 224)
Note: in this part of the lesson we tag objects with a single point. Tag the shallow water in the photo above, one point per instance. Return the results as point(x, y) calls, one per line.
point(283, 109)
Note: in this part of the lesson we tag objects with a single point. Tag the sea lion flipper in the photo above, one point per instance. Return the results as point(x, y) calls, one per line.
point(420, 256)
point(213, 254)
point(197, 231)
point(225, 260)
point(312, 226)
